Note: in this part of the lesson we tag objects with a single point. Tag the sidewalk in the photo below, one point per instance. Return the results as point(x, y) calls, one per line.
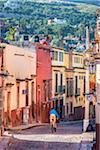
point(26, 126)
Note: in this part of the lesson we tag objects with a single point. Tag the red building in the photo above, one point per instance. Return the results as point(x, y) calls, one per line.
point(43, 81)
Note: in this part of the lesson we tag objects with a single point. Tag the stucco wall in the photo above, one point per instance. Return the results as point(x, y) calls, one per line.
point(21, 63)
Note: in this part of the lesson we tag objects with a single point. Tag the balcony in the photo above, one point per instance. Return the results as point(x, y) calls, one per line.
point(56, 91)
point(69, 93)
point(61, 89)
point(77, 92)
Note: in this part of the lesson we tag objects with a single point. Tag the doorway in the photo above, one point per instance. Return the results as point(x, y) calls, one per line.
point(8, 107)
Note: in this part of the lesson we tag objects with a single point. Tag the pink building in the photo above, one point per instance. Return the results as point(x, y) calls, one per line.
point(43, 81)
point(19, 95)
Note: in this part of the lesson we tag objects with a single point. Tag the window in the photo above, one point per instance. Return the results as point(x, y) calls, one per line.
point(55, 55)
point(18, 90)
point(84, 84)
point(52, 55)
point(8, 102)
point(76, 59)
point(67, 91)
point(71, 87)
point(32, 98)
point(26, 37)
point(49, 89)
point(27, 98)
point(76, 84)
point(56, 82)
point(38, 104)
point(71, 107)
point(67, 108)
point(80, 77)
point(32, 91)
point(60, 56)
point(61, 79)
point(81, 61)
point(38, 95)
point(44, 84)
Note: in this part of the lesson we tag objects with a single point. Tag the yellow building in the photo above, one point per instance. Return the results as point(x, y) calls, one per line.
point(75, 85)
point(58, 80)
point(68, 83)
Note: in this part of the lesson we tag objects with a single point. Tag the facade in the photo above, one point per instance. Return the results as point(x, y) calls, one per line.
point(90, 92)
point(43, 81)
point(58, 80)
point(97, 62)
point(18, 84)
point(69, 85)
point(75, 86)
point(79, 85)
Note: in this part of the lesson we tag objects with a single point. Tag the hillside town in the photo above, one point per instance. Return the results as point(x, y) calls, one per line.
point(36, 76)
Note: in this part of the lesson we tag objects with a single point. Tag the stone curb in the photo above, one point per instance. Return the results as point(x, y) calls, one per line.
point(25, 127)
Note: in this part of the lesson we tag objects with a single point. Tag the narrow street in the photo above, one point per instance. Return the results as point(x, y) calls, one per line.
point(67, 137)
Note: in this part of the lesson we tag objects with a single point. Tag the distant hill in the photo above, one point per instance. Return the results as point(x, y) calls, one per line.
point(32, 17)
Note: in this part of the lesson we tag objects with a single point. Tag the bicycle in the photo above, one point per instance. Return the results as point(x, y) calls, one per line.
point(53, 129)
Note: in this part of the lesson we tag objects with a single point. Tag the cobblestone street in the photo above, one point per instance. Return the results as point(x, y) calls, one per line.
point(67, 137)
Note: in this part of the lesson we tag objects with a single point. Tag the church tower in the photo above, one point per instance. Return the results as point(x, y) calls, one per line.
point(97, 33)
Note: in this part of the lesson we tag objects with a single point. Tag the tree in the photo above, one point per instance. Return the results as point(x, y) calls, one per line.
point(10, 34)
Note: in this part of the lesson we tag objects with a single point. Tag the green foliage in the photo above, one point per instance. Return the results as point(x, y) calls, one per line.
point(32, 18)
point(10, 34)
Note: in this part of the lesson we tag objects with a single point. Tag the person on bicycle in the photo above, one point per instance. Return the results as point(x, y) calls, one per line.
point(53, 117)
